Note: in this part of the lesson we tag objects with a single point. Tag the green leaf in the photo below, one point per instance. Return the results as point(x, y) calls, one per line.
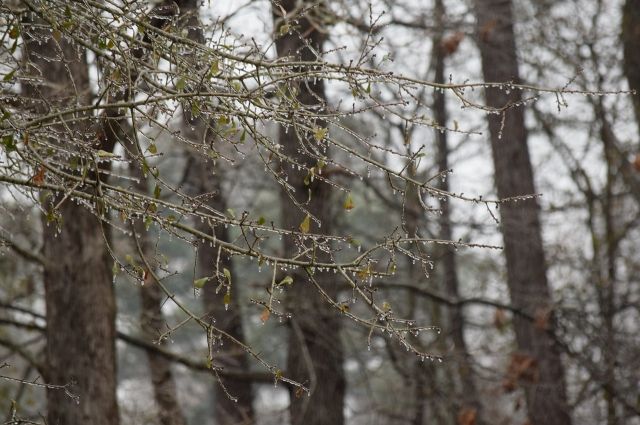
point(319, 133)
point(199, 283)
point(306, 224)
point(284, 28)
point(195, 109)
point(105, 154)
point(148, 221)
point(145, 168)
point(9, 143)
point(215, 68)
point(227, 298)
point(156, 192)
point(14, 32)
point(308, 177)
point(180, 84)
point(9, 76)
point(227, 274)
point(115, 269)
point(153, 149)
point(231, 213)
point(261, 220)
point(288, 280)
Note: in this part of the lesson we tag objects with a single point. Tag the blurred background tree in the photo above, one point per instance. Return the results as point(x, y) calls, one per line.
point(246, 212)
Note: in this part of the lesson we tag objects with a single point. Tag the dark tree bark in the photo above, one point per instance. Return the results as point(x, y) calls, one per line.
point(226, 411)
point(526, 269)
point(203, 181)
point(631, 43)
point(164, 387)
point(470, 403)
point(315, 353)
point(79, 294)
point(152, 322)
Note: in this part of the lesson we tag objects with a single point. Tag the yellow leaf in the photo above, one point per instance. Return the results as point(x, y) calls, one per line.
point(104, 154)
point(215, 67)
point(306, 224)
point(320, 133)
point(199, 283)
point(348, 203)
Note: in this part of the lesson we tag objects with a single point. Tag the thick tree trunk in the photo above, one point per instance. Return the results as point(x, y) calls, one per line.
point(315, 353)
point(79, 294)
point(526, 270)
point(470, 403)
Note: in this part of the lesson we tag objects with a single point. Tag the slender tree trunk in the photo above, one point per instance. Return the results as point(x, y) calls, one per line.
point(315, 352)
point(164, 387)
point(631, 43)
point(470, 403)
point(526, 269)
point(79, 294)
point(202, 179)
point(607, 285)
point(152, 322)
point(226, 411)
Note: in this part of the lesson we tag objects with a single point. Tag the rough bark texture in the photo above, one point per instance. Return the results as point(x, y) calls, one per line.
point(226, 411)
point(79, 294)
point(315, 353)
point(204, 179)
point(153, 324)
point(470, 403)
point(631, 43)
point(164, 387)
point(526, 270)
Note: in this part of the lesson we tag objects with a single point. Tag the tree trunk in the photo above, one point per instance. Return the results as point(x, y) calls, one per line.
point(470, 403)
point(631, 43)
point(152, 322)
point(202, 180)
point(164, 387)
point(79, 294)
point(526, 270)
point(226, 411)
point(315, 353)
